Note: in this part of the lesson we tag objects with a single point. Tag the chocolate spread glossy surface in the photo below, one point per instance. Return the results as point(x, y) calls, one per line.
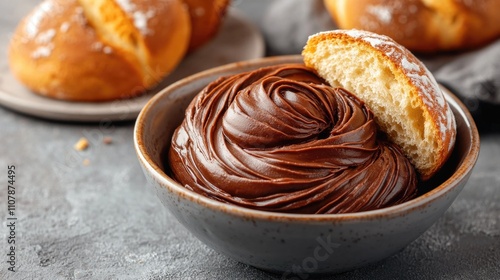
point(279, 139)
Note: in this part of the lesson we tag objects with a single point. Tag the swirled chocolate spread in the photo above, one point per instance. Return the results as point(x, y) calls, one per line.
point(280, 139)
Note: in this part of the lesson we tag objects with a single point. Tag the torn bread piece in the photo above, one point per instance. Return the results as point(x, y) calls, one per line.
point(406, 100)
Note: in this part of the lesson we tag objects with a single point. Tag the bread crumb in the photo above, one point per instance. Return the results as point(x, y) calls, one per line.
point(86, 162)
point(82, 144)
point(107, 140)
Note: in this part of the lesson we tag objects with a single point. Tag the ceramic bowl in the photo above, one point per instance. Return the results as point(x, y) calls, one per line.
point(293, 243)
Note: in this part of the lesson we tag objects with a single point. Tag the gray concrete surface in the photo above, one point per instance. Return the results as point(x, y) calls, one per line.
point(100, 221)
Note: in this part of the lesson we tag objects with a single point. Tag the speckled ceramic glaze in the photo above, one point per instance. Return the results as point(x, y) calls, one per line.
point(294, 244)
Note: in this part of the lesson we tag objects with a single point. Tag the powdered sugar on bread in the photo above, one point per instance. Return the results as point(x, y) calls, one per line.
point(139, 17)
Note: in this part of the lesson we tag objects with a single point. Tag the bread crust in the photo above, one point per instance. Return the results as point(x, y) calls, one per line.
point(60, 51)
point(206, 17)
point(417, 110)
point(422, 25)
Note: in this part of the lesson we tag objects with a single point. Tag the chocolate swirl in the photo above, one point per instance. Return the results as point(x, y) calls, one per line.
point(279, 139)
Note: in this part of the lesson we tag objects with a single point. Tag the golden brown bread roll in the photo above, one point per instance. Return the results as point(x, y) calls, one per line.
point(406, 100)
point(206, 17)
point(99, 50)
point(422, 25)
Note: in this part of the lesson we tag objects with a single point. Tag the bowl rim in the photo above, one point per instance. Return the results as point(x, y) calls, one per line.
point(420, 202)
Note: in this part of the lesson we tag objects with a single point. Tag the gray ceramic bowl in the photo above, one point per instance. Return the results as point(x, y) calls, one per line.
point(293, 243)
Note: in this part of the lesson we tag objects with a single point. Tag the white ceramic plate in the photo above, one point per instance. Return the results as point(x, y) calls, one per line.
point(237, 40)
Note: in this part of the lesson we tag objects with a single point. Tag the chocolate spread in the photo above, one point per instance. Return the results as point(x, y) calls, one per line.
point(280, 139)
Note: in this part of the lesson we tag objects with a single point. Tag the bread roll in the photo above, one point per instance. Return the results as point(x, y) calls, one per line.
point(98, 50)
point(206, 17)
point(404, 96)
point(422, 25)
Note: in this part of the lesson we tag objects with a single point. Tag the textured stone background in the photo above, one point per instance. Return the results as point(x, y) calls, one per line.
point(101, 221)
